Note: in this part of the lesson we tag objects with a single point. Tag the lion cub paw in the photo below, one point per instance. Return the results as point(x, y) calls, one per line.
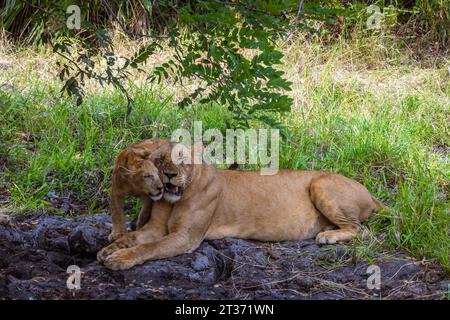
point(123, 243)
point(120, 260)
point(105, 252)
point(326, 238)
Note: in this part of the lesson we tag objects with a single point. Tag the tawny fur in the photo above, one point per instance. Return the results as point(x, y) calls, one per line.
point(217, 203)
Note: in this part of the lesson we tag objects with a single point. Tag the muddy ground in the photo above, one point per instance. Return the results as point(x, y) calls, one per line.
point(36, 250)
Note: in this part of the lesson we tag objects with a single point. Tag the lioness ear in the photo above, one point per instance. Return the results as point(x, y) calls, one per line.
point(197, 148)
point(143, 153)
point(197, 152)
point(155, 156)
point(181, 154)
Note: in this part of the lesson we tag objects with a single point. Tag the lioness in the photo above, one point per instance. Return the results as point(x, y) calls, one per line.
point(202, 202)
point(134, 175)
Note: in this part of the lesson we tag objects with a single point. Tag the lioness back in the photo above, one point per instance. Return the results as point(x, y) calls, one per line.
point(275, 207)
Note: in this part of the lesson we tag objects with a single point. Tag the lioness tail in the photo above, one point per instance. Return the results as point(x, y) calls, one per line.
point(380, 204)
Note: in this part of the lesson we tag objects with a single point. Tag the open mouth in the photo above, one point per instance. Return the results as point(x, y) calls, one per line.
point(173, 189)
point(156, 197)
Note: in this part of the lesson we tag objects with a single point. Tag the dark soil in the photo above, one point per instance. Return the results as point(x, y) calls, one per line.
point(35, 252)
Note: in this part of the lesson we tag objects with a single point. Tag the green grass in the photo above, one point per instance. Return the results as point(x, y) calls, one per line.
point(395, 142)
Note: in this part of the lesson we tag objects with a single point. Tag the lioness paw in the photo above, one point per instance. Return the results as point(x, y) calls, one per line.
point(326, 238)
point(102, 254)
point(120, 260)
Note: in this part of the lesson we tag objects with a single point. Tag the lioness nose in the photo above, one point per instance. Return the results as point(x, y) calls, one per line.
point(170, 175)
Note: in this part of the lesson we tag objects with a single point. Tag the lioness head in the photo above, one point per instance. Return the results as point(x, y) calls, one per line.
point(141, 173)
point(174, 162)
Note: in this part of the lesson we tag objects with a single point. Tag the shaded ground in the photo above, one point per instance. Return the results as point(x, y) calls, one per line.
point(35, 252)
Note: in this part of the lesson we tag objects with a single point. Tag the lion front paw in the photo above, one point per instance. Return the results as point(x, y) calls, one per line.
point(127, 241)
point(120, 260)
point(114, 235)
point(102, 254)
point(107, 251)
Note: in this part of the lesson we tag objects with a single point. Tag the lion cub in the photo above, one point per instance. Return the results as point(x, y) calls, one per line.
point(135, 175)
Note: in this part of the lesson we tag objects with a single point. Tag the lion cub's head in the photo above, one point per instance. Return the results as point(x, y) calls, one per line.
point(174, 162)
point(140, 172)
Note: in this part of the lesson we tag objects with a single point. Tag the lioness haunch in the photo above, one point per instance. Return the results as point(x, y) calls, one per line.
point(214, 204)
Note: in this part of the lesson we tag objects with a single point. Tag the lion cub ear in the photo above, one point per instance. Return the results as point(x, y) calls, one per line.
point(143, 153)
point(125, 172)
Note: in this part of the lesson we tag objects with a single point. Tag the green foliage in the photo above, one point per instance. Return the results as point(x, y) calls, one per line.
point(228, 47)
point(213, 50)
point(208, 37)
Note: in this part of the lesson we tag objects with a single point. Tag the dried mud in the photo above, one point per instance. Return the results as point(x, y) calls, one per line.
point(36, 250)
